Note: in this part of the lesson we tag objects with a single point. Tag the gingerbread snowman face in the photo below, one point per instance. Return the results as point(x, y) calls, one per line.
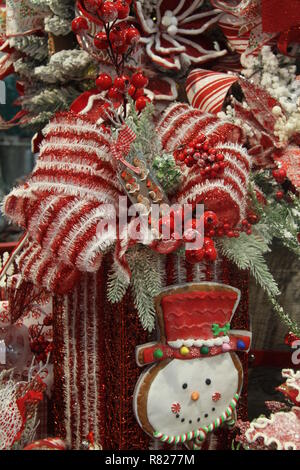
point(196, 380)
point(177, 397)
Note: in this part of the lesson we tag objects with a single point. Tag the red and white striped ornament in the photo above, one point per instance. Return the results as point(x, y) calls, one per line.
point(231, 27)
point(63, 202)
point(49, 443)
point(227, 194)
point(207, 90)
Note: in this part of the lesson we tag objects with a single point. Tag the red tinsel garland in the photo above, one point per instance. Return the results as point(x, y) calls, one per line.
point(108, 413)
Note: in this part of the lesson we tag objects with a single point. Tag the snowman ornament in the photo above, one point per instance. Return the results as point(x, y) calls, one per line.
point(195, 382)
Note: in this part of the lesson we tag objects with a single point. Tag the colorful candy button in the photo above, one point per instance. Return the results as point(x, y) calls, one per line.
point(158, 353)
point(204, 350)
point(184, 351)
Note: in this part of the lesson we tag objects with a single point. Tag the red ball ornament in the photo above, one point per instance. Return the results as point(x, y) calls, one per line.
point(139, 80)
point(108, 12)
point(132, 36)
point(139, 92)
point(279, 175)
point(104, 81)
point(100, 41)
point(79, 24)
point(208, 243)
point(279, 195)
point(210, 219)
point(141, 103)
point(211, 253)
point(123, 9)
point(116, 37)
point(131, 91)
point(119, 83)
point(92, 5)
point(114, 94)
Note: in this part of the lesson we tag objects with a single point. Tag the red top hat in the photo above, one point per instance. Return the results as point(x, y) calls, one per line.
point(194, 321)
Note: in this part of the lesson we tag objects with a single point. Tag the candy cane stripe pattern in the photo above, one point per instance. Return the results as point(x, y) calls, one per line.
point(207, 90)
point(178, 127)
point(231, 26)
point(72, 188)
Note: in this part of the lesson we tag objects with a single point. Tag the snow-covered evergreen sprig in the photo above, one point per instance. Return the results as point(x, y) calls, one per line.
point(146, 282)
point(117, 285)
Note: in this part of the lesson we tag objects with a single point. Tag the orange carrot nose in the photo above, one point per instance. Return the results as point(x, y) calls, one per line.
point(195, 396)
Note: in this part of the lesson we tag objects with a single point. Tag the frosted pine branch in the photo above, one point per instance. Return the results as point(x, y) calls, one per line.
point(33, 46)
point(57, 26)
point(65, 66)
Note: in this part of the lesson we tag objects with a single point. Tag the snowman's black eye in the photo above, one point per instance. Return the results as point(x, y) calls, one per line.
point(184, 386)
point(208, 381)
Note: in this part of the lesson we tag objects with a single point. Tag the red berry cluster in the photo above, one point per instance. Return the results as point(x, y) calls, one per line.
point(109, 10)
point(38, 344)
point(213, 227)
point(122, 85)
point(280, 177)
point(202, 153)
point(121, 38)
point(208, 252)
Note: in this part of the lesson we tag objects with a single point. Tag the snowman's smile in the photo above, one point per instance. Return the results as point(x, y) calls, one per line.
point(192, 394)
point(196, 417)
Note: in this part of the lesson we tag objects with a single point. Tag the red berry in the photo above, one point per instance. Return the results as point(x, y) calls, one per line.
point(92, 5)
point(139, 80)
point(104, 81)
point(119, 83)
point(210, 219)
point(132, 36)
point(279, 175)
point(108, 12)
point(100, 41)
point(220, 157)
point(131, 91)
point(140, 92)
point(211, 253)
point(279, 195)
point(208, 242)
point(114, 94)
point(116, 38)
point(123, 9)
point(252, 219)
point(79, 24)
point(141, 103)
